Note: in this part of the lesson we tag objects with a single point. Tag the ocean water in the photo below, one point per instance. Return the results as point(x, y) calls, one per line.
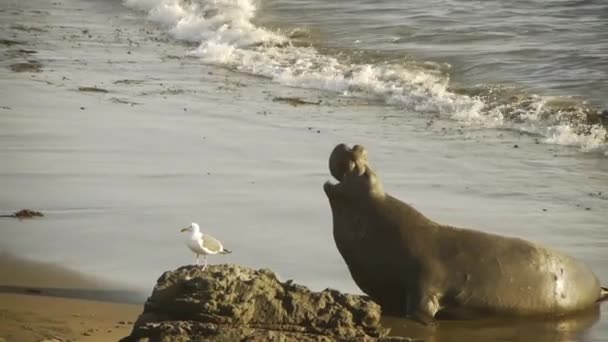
point(555, 48)
point(534, 66)
point(193, 128)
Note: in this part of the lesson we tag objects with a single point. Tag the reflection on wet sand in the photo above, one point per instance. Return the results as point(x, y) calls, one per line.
point(114, 296)
point(559, 329)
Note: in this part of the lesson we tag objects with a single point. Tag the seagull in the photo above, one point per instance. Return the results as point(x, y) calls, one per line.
point(204, 244)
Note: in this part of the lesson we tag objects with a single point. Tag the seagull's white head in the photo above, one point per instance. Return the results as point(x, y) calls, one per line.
point(193, 227)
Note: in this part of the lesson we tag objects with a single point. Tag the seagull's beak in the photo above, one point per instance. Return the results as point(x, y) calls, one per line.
point(184, 229)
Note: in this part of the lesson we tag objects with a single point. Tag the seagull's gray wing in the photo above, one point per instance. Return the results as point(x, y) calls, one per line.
point(212, 244)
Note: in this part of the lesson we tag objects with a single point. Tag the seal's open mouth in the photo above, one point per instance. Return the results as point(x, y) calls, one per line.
point(353, 170)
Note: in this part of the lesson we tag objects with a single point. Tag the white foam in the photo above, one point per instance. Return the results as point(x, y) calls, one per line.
point(227, 36)
point(566, 135)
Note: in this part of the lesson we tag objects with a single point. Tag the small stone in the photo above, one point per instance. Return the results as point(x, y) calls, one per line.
point(515, 146)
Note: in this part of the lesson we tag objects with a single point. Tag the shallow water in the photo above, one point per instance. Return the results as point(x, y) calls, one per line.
point(552, 47)
point(210, 145)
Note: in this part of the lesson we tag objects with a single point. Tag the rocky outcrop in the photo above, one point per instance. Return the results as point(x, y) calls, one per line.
point(234, 303)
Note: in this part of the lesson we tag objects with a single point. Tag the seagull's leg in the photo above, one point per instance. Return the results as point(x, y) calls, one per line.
point(196, 259)
point(204, 262)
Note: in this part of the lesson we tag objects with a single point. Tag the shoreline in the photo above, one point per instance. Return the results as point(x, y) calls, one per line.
point(44, 301)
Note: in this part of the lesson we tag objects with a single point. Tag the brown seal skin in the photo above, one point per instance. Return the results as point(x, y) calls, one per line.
point(415, 267)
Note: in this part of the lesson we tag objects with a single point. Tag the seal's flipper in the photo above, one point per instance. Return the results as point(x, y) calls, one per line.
point(603, 294)
point(423, 309)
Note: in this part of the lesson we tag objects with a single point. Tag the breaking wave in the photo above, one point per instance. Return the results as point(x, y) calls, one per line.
point(226, 35)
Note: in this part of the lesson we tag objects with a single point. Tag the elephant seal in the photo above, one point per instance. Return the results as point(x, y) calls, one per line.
point(415, 267)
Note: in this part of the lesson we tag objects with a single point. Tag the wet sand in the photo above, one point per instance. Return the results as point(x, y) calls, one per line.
point(32, 310)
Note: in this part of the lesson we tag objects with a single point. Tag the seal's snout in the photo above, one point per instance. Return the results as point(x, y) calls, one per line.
point(345, 160)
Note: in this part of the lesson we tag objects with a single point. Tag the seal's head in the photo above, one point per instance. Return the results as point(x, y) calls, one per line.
point(351, 168)
point(344, 159)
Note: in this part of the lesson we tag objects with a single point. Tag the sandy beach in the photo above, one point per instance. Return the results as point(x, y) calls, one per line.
point(35, 305)
point(121, 136)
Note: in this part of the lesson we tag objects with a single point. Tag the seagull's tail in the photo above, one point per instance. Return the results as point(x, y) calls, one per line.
point(603, 294)
point(226, 251)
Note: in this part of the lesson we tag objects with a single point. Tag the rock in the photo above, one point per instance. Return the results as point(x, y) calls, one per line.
point(24, 213)
point(27, 213)
point(232, 303)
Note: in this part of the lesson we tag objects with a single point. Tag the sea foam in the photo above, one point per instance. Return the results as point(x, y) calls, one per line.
point(226, 35)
